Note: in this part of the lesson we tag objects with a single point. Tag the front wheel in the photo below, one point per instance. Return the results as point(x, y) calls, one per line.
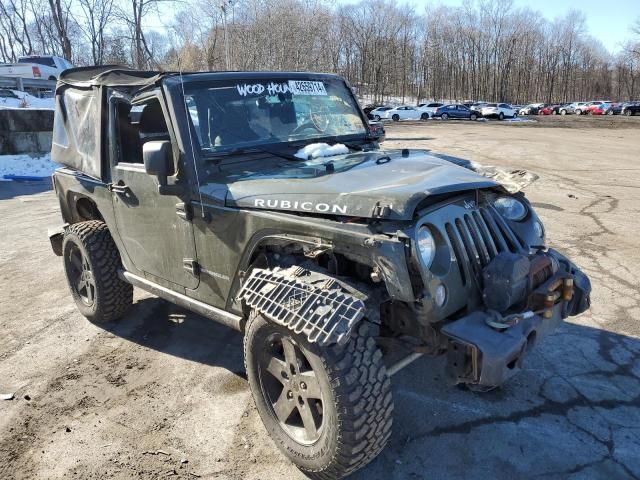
point(628, 113)
point(501, 116)
point(328, 409)
point(445, 116)
point(395, 117)
point(376, 117)
point(473, 116)
point(563, 112)
point(424, 116)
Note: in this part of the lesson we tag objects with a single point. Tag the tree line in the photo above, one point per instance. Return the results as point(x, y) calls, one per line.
point(482, 50)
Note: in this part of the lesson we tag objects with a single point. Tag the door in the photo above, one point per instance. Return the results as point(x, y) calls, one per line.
point(158, 241)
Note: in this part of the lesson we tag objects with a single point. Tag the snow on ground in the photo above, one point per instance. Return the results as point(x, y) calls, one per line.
point(315, 150)
point(26, 165)
point(27, 101)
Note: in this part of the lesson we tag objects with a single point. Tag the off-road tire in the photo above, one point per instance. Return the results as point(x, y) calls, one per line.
point(357, 408)
point(113, 296)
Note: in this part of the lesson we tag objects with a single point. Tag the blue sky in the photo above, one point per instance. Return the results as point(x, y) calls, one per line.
point(609, 21)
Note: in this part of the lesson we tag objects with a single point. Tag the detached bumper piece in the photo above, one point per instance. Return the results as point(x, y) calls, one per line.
point(297, 299)
point(486, 348)
point(56, 236)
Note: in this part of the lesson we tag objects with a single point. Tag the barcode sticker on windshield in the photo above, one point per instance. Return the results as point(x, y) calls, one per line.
point(304, 87)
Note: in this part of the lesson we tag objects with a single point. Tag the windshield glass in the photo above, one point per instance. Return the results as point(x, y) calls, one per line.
point(231, 114)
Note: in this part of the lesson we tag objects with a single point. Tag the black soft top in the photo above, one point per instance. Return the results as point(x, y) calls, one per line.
point(111, 76)
point(118, 76)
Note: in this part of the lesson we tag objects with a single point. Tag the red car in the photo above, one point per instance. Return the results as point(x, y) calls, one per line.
point(598, 109)
point(546, 109)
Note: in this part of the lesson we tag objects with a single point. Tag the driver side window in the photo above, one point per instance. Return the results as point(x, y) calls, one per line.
point(134, 126)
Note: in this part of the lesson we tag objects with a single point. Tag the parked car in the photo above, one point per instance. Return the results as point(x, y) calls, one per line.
point(456, 110)
point(476, 107)
point(47, 67)
point(531, 109)
point(545, 109)
point(368, 108)
point(570, 108)
point(405, 112)
point(632, 108)
point(429, 108)
point(378, 113)
point(584, 109)
point(599, 108)
point(498, 110)
point(615, 108)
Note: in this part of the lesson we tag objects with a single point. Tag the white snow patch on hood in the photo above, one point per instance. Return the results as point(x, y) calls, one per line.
point(26, 165)
point(315, 150)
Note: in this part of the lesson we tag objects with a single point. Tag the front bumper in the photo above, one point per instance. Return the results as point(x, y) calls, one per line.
point(483, 356)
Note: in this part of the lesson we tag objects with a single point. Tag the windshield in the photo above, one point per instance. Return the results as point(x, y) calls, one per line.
point(231, 114)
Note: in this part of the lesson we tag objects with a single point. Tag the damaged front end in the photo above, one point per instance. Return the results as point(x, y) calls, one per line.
point(490, 288)
point(534, 293)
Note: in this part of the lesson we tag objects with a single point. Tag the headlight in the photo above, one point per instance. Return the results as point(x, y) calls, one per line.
point(426, 245)
point(510, 208)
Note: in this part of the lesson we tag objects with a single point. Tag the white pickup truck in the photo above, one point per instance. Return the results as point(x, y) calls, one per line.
point(47, 67)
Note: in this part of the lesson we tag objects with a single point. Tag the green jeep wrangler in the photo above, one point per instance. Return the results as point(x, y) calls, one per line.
point(262, 200)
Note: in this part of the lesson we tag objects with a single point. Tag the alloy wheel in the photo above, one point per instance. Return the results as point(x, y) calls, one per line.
point(292, 388)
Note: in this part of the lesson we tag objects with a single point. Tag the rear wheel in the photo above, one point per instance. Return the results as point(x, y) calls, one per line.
point(424, 116)
point(329, 409)
point(395, 117)
point(376, 117)
point(501, 116)
point(563, 112)
point(91, 264)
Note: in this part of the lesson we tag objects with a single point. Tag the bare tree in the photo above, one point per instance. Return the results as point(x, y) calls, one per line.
point(96, 17)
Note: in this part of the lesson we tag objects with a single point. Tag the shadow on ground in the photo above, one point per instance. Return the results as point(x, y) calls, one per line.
point(17, 189)
point(573, 412)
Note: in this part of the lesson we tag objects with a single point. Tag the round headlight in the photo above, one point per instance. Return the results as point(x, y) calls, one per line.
point(426, 245)
point(510, 208)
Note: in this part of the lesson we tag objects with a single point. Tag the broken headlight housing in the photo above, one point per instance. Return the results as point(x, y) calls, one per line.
point(426, 245)
point(510, 208)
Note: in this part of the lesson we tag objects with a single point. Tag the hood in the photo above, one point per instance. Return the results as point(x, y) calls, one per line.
point(365, 184)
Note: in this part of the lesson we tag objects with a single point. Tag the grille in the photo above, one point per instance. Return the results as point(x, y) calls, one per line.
point(476, 237)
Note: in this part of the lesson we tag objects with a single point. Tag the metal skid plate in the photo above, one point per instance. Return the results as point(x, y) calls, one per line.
point(318, 309)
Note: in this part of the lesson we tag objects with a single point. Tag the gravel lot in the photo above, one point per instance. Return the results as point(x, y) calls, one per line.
point(163, 392)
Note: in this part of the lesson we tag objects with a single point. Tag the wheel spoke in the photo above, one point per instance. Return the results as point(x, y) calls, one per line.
point(290, 352)
point(310, 430)
point(276, 367)
point(91, 290)
point(283, 406)
point(312, 386)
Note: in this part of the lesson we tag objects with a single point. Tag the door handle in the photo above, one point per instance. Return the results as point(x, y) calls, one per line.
point(118, 188)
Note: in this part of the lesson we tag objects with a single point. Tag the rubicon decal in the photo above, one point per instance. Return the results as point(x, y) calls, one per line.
point(297, 205)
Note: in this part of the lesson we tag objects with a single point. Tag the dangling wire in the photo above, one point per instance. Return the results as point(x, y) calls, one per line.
point(193, 151)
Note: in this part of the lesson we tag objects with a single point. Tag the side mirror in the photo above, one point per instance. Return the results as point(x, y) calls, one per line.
point(376, 131)
point(158, 161)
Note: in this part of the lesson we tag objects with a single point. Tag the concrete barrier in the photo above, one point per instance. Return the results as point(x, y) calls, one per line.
point(25, 131)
